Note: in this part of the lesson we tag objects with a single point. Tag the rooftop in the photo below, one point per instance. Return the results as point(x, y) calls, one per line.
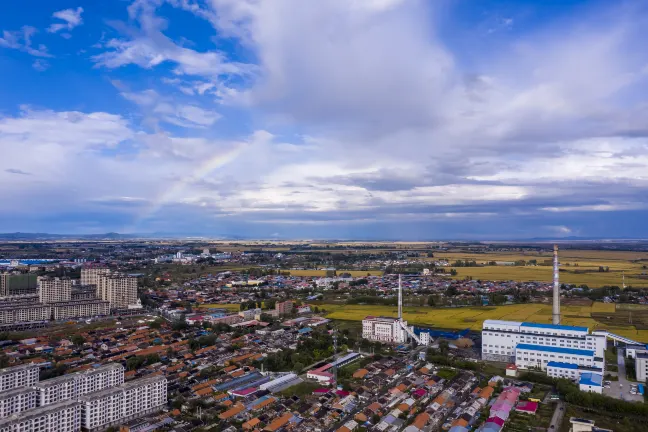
point(562, 365)
point(591, 379)
point(120, 388)
point(560, 350)
point(18, 368)
point(554, 326)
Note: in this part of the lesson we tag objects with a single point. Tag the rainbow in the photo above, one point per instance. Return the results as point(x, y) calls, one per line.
point(204, 169)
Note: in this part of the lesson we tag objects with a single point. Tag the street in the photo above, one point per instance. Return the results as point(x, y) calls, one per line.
point(556, 419)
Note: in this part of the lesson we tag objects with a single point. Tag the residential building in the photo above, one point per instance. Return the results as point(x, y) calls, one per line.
point(117, 288)
point(17, 400)
point(250, 314)
point(127, 401)
point(63, 416)
point(383, 329)
point(84, 292)
point(79, 309)
point(10, 314)
point(90, 275)
point(54, 289)
point(19, 376)
point(284, 308)
point(75, 385)
point(17, 284)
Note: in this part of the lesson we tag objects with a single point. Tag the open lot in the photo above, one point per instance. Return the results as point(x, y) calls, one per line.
point(473, 317)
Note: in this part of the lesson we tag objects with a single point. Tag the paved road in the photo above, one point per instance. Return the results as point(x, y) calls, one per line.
point(556, 419)
point(621, 389)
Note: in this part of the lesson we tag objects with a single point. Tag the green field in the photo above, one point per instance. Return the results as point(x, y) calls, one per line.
point(322, 273)
point(473, 317)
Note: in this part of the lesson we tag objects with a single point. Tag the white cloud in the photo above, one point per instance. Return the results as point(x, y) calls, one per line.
point(40, 65)
point(71, 17)
point(21, 40)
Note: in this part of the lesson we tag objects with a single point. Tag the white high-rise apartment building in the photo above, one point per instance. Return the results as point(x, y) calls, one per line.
point(55, 289)
point(77, 384)
point(120, 404)
point(19, 376)
point(383, 329)
point(117, 288)
point(17, 400)
point(60, 417)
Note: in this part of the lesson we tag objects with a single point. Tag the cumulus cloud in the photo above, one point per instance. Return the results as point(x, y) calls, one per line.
point(71, 18)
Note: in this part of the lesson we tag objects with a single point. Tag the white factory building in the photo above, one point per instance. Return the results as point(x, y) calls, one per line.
point(639, 352)
point(383, 329)
point(500, 339)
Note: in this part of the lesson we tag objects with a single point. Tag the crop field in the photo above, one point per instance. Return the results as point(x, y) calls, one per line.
point(577, 267)
point(322, 273)
point(473, 317)
point(228, 306)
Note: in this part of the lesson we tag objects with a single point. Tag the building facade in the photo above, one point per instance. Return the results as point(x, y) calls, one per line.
point(284, 308)
point(19, 376)
point(80, 309)
point(17, 400)
point(499, 338)
point(383, 329)
point(133, 399)
point(74, 385)
point(17, 284)
point(54, 289)
point(10, 314)
point(60, 417)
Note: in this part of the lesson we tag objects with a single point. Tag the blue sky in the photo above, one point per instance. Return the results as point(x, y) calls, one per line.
point(371, 119)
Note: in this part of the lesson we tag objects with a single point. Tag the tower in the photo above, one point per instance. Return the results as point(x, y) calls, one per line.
point(400, 299)
point(556, 289)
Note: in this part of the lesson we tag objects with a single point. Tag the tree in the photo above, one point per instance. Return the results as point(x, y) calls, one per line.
point(443, 346)
point(430, 301)
point(297, 367)
point(77, 340)
point(157, 324)
point(453, 272)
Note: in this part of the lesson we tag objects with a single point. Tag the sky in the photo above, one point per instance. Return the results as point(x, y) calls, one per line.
point(336, 119)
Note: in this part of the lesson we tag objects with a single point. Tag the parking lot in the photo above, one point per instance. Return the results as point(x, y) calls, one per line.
point(621, 389)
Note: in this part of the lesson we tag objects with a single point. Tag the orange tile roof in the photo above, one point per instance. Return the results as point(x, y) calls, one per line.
point(421, 420)
point(204, 391)
point(279, 422)
point(360, 373)
point(235, 410)
point(250, 424)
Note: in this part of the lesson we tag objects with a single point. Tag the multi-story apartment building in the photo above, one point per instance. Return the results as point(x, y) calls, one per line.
point(17, 284)
point(119, 404)
point(284, 308)
point(53, 289)
point(117, 288)
point(499, 338)
point(84, 292)
point(20, 299)
point(383, 329)
point(17, 400)
point(19, 376)
point(24, 313)
point(80, 308)
point(74, 385)
point(63, 416)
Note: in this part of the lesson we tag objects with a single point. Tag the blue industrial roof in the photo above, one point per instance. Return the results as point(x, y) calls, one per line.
point(554, 326)
point(555, 349)
point(591, 379)
point(562, 365)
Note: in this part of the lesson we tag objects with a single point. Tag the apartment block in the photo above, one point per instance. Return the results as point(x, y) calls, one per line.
point(74, 385)
point(53, 289)
point(84, 292)
point(10, 314)
point(60, 417)
point(130, 400)
point(117, 288)
point(79, 308)
point(284, 308)
point(17, 400)
point(19, 376)
point(17, 284)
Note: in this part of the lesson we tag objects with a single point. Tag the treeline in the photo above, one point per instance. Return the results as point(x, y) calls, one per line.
point(598, 402)
point(373, 300)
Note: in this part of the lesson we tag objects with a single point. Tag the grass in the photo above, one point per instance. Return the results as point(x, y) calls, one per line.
point(302, 389)
point(524, 422)
point(616, 422)
point(447, 374)
point(473, 317)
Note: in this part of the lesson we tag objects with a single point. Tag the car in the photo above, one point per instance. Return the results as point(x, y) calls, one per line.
point(562, 408)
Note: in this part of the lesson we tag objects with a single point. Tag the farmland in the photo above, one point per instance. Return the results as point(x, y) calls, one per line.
point(577, 267)
point(322, 273)
point(593, 316)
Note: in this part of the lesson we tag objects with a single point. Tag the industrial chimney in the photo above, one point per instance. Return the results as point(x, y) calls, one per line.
point(556, 288)
point(400, 299)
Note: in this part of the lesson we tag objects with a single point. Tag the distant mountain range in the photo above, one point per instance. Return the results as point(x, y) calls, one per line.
point(18, 236)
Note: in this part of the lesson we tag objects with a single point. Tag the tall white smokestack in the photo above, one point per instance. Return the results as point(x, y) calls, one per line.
point(556, 288)
point(400, 299)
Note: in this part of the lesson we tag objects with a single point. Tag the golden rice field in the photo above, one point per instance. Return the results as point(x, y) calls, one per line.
point(473, 317)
